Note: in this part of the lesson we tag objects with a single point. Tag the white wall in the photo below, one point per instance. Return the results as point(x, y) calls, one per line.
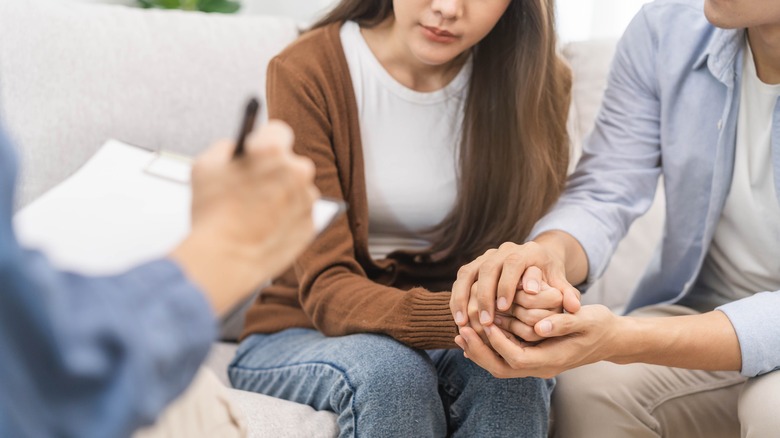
point(587, 19)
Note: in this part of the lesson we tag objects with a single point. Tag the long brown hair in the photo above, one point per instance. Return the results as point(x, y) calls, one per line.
point(515, 148)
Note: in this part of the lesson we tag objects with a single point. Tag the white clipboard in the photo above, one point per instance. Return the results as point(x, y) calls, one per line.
point(125, 206)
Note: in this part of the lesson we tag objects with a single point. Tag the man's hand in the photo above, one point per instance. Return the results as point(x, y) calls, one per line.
point(589, 336)
point(250, 217)
point(500, 273)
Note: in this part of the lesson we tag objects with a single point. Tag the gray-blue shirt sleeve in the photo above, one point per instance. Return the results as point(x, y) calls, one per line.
point(757, 322)
point(91, 357)
point(616, 178)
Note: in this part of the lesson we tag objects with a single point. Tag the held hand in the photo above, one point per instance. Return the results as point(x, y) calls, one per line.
point(500, 273)
point(528, 309)
point(250, 217)
point(589, 336)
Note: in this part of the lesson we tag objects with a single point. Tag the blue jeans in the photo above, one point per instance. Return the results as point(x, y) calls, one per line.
point(379, 387)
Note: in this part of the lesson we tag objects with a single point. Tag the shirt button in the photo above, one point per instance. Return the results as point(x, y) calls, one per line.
point(720, 124)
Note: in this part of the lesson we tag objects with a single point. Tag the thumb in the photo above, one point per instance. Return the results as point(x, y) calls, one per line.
point(561, 324)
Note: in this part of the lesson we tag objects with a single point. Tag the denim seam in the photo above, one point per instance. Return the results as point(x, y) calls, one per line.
point(337, 368)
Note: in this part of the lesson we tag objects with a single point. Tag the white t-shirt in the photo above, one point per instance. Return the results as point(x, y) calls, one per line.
point(744, 257)
point(410, 148)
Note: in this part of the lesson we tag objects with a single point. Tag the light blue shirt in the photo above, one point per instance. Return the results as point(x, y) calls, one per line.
point(90, 357)
point(670, 108)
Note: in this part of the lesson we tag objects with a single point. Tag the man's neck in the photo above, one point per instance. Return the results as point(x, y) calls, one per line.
point(765, 43)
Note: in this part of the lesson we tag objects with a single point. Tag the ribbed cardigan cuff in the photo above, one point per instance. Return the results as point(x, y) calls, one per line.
point(430, 321)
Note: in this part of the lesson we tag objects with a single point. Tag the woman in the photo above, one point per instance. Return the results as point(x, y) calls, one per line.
point(442, 124)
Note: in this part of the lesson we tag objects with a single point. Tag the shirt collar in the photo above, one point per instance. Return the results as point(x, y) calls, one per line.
point(721, 54)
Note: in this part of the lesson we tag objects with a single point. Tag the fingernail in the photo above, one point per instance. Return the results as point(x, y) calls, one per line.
point(502, 303)
point(459, 318)
point(545, 327)
point(533, 286)
point(484, 317)
point(497, 320)
point(487, 330)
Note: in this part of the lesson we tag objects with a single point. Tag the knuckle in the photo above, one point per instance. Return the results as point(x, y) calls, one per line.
point(532, 245)
point(465, 271)
point(506, 246)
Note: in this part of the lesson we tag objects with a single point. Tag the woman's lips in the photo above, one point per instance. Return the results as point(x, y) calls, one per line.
point(438, 35)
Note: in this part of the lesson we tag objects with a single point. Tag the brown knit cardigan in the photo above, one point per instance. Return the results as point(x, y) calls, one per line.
point(335, 286)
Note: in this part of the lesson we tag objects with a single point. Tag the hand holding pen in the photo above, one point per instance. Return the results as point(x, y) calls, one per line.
point(251, 215)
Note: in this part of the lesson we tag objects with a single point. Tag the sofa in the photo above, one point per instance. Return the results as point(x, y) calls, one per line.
point(73, 75)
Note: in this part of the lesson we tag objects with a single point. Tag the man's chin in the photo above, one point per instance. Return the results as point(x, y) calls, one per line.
point(719, 18)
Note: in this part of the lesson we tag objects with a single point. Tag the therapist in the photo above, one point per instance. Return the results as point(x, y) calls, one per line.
point(102, 357)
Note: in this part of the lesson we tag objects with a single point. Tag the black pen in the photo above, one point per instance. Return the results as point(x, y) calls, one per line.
point(247, 125)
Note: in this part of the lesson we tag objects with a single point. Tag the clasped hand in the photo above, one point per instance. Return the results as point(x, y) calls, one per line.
point(509, 306)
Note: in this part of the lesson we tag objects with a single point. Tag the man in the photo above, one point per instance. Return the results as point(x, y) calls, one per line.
point(101, 357)
point(694, 99)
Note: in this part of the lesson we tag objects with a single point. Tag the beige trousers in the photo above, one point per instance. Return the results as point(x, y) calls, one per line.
point(204, 410)
point(606, 400)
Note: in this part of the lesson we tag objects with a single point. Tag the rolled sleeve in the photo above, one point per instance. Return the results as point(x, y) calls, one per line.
point(756, 321)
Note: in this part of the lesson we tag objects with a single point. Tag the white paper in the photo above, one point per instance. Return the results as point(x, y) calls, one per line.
point(122, 208)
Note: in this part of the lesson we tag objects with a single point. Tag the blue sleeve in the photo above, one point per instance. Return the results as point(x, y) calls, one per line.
point(91, 357)
point(615, 181)
point(756, 321)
